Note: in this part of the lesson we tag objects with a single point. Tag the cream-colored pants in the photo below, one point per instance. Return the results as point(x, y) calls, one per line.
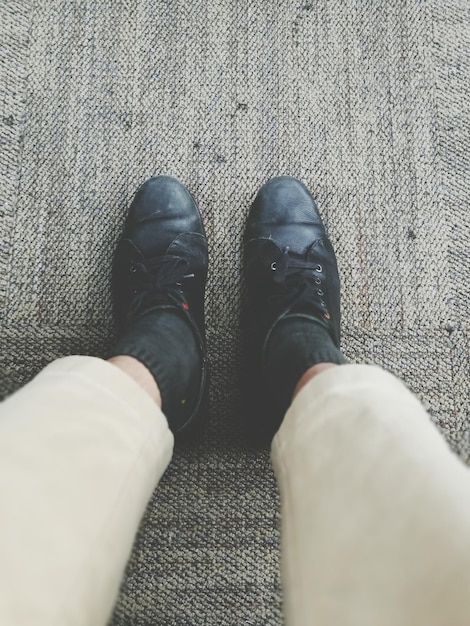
point(375, 508)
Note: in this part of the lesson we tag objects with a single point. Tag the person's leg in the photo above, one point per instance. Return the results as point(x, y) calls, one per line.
point(82, 447)
point(375, 507)
point(84, 444)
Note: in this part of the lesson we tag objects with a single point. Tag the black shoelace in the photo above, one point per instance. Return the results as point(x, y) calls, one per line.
point(160, 276)
point(299, 282)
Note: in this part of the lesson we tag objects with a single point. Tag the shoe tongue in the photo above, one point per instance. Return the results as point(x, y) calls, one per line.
point(153, 300)
point(304, 310)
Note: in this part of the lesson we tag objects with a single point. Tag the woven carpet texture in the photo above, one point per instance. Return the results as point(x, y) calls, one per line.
point(366, 101)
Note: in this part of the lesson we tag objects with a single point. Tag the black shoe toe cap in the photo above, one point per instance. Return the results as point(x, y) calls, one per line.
point(285, 211)
point(161, 210)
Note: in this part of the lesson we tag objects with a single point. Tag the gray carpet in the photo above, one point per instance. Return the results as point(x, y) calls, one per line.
point(366, 101)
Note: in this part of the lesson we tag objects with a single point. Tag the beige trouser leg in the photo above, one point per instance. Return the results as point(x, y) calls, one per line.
point(82, 447)
point(375, 507)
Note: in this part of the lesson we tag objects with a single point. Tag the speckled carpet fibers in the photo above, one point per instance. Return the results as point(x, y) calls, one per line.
point(366, 101)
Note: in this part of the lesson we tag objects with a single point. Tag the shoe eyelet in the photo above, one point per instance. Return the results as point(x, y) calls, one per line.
point(317, 280)
point(274, 266)
point(319, 292)
point(322, 302)
point(319, 268)
point(133, 269)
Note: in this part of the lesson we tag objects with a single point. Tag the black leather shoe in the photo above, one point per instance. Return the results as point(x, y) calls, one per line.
point(290, 271)
point(161, 263)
